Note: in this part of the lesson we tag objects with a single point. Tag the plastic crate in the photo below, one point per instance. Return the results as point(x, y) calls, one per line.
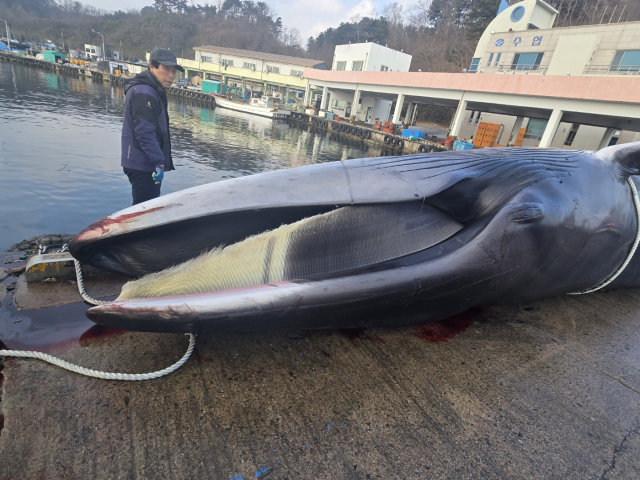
point(408, 133)
point(458, 145)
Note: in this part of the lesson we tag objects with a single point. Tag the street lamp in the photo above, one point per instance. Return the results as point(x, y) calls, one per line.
point(103, 52)
point(8, 35)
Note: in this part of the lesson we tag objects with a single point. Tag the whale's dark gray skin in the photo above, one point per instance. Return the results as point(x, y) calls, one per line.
point(522, 223)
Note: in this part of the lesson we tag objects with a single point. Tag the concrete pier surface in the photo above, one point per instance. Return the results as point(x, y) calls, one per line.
point(550, 389)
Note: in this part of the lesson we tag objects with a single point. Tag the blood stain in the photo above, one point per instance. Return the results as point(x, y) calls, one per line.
point(98, 333)
point(444, 330)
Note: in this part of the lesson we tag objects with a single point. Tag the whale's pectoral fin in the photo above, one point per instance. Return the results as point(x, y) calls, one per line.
point(626, 156)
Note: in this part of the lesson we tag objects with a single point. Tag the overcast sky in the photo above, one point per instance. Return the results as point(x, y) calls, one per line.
point(309, 16)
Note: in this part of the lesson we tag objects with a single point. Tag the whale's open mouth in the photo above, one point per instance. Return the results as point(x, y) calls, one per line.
point(343, 240)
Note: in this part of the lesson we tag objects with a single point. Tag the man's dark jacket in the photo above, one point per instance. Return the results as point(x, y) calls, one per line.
point(145, 131)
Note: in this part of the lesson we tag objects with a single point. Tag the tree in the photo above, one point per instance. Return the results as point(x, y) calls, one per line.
point(480, 16)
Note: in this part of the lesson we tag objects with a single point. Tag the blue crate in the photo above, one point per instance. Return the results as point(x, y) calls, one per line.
point(407, 132)
point(458, 145)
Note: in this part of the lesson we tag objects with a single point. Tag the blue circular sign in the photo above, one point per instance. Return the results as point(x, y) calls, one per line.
point(517, 13)
point(499, 42)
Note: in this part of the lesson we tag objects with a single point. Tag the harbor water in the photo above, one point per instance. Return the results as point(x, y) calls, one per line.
point(60, 150)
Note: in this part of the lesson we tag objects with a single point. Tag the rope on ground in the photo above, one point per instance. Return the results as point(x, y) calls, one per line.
point(636, 204)
point(104, 375)
point(96, 373)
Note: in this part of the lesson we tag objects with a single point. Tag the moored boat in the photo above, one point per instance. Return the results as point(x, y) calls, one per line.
point(265, 106)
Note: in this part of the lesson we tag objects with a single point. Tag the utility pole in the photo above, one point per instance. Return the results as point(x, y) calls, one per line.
point(8, 34)
point(62, 33)
point(103, 52)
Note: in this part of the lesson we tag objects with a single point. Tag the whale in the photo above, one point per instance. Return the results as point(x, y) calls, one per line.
point(373, 242)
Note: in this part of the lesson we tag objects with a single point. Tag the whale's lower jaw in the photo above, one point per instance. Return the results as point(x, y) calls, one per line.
point(386, 298)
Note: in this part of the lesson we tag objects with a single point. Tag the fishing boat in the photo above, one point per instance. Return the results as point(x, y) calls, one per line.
point(266, 106)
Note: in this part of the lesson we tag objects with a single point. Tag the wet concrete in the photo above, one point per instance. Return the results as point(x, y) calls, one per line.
point(550, 389)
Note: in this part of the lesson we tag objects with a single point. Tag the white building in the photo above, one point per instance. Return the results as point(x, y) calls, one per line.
point(365, 57)
point(521, 40)
point(92, 52)
point(369, 57)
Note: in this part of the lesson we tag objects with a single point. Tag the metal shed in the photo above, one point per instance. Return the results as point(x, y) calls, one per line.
point(53, 56)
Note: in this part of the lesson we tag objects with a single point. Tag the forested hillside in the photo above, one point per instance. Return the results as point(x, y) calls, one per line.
point(169, 23)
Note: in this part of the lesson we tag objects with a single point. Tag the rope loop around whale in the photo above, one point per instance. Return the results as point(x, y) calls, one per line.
point(97, 373)
point(634, 247)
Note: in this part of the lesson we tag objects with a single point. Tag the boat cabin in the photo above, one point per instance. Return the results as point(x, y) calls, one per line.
point(266, 101)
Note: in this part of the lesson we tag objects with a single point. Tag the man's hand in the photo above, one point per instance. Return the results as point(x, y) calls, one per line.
point(158, 175)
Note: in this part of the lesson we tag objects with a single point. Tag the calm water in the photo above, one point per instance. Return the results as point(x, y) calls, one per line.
point(60, 150)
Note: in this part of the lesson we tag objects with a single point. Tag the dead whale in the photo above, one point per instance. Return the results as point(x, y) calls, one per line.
point(390, 241)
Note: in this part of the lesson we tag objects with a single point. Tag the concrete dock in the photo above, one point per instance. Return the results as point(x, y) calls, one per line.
point(550, 389)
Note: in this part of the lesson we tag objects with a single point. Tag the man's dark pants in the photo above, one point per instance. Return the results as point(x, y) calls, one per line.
point(143, 187)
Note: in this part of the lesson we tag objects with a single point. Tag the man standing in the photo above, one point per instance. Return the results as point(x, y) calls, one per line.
point(146, 144)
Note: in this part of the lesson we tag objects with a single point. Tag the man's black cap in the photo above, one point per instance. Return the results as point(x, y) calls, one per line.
point(166, 57)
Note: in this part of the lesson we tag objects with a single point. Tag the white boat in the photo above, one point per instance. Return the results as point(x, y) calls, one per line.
point(266, 106)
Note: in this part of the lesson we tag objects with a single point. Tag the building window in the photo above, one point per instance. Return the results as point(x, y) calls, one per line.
point(526, 61)
point(341, 66)
point(384, 68)
point(296, 73)
point(271, 69)
point(473, 112)
point(490, 60)
point(226, 62)
point(572, 135)
point(535, 128)
point(626, 61)
point(475, 62)
point(357, 66)
point(204, 58)
point(250, 66)
point(498, 59)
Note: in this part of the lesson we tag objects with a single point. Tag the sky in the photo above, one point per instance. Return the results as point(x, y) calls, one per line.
point(310, 17)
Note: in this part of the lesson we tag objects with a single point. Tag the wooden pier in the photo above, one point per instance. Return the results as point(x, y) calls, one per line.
point(364, 134)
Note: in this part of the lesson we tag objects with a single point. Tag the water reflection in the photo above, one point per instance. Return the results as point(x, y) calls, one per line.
point(60, 150)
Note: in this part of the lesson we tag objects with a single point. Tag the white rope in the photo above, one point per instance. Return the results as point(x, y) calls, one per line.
point(636, 204)
point(83, 292)
point(96, 373)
